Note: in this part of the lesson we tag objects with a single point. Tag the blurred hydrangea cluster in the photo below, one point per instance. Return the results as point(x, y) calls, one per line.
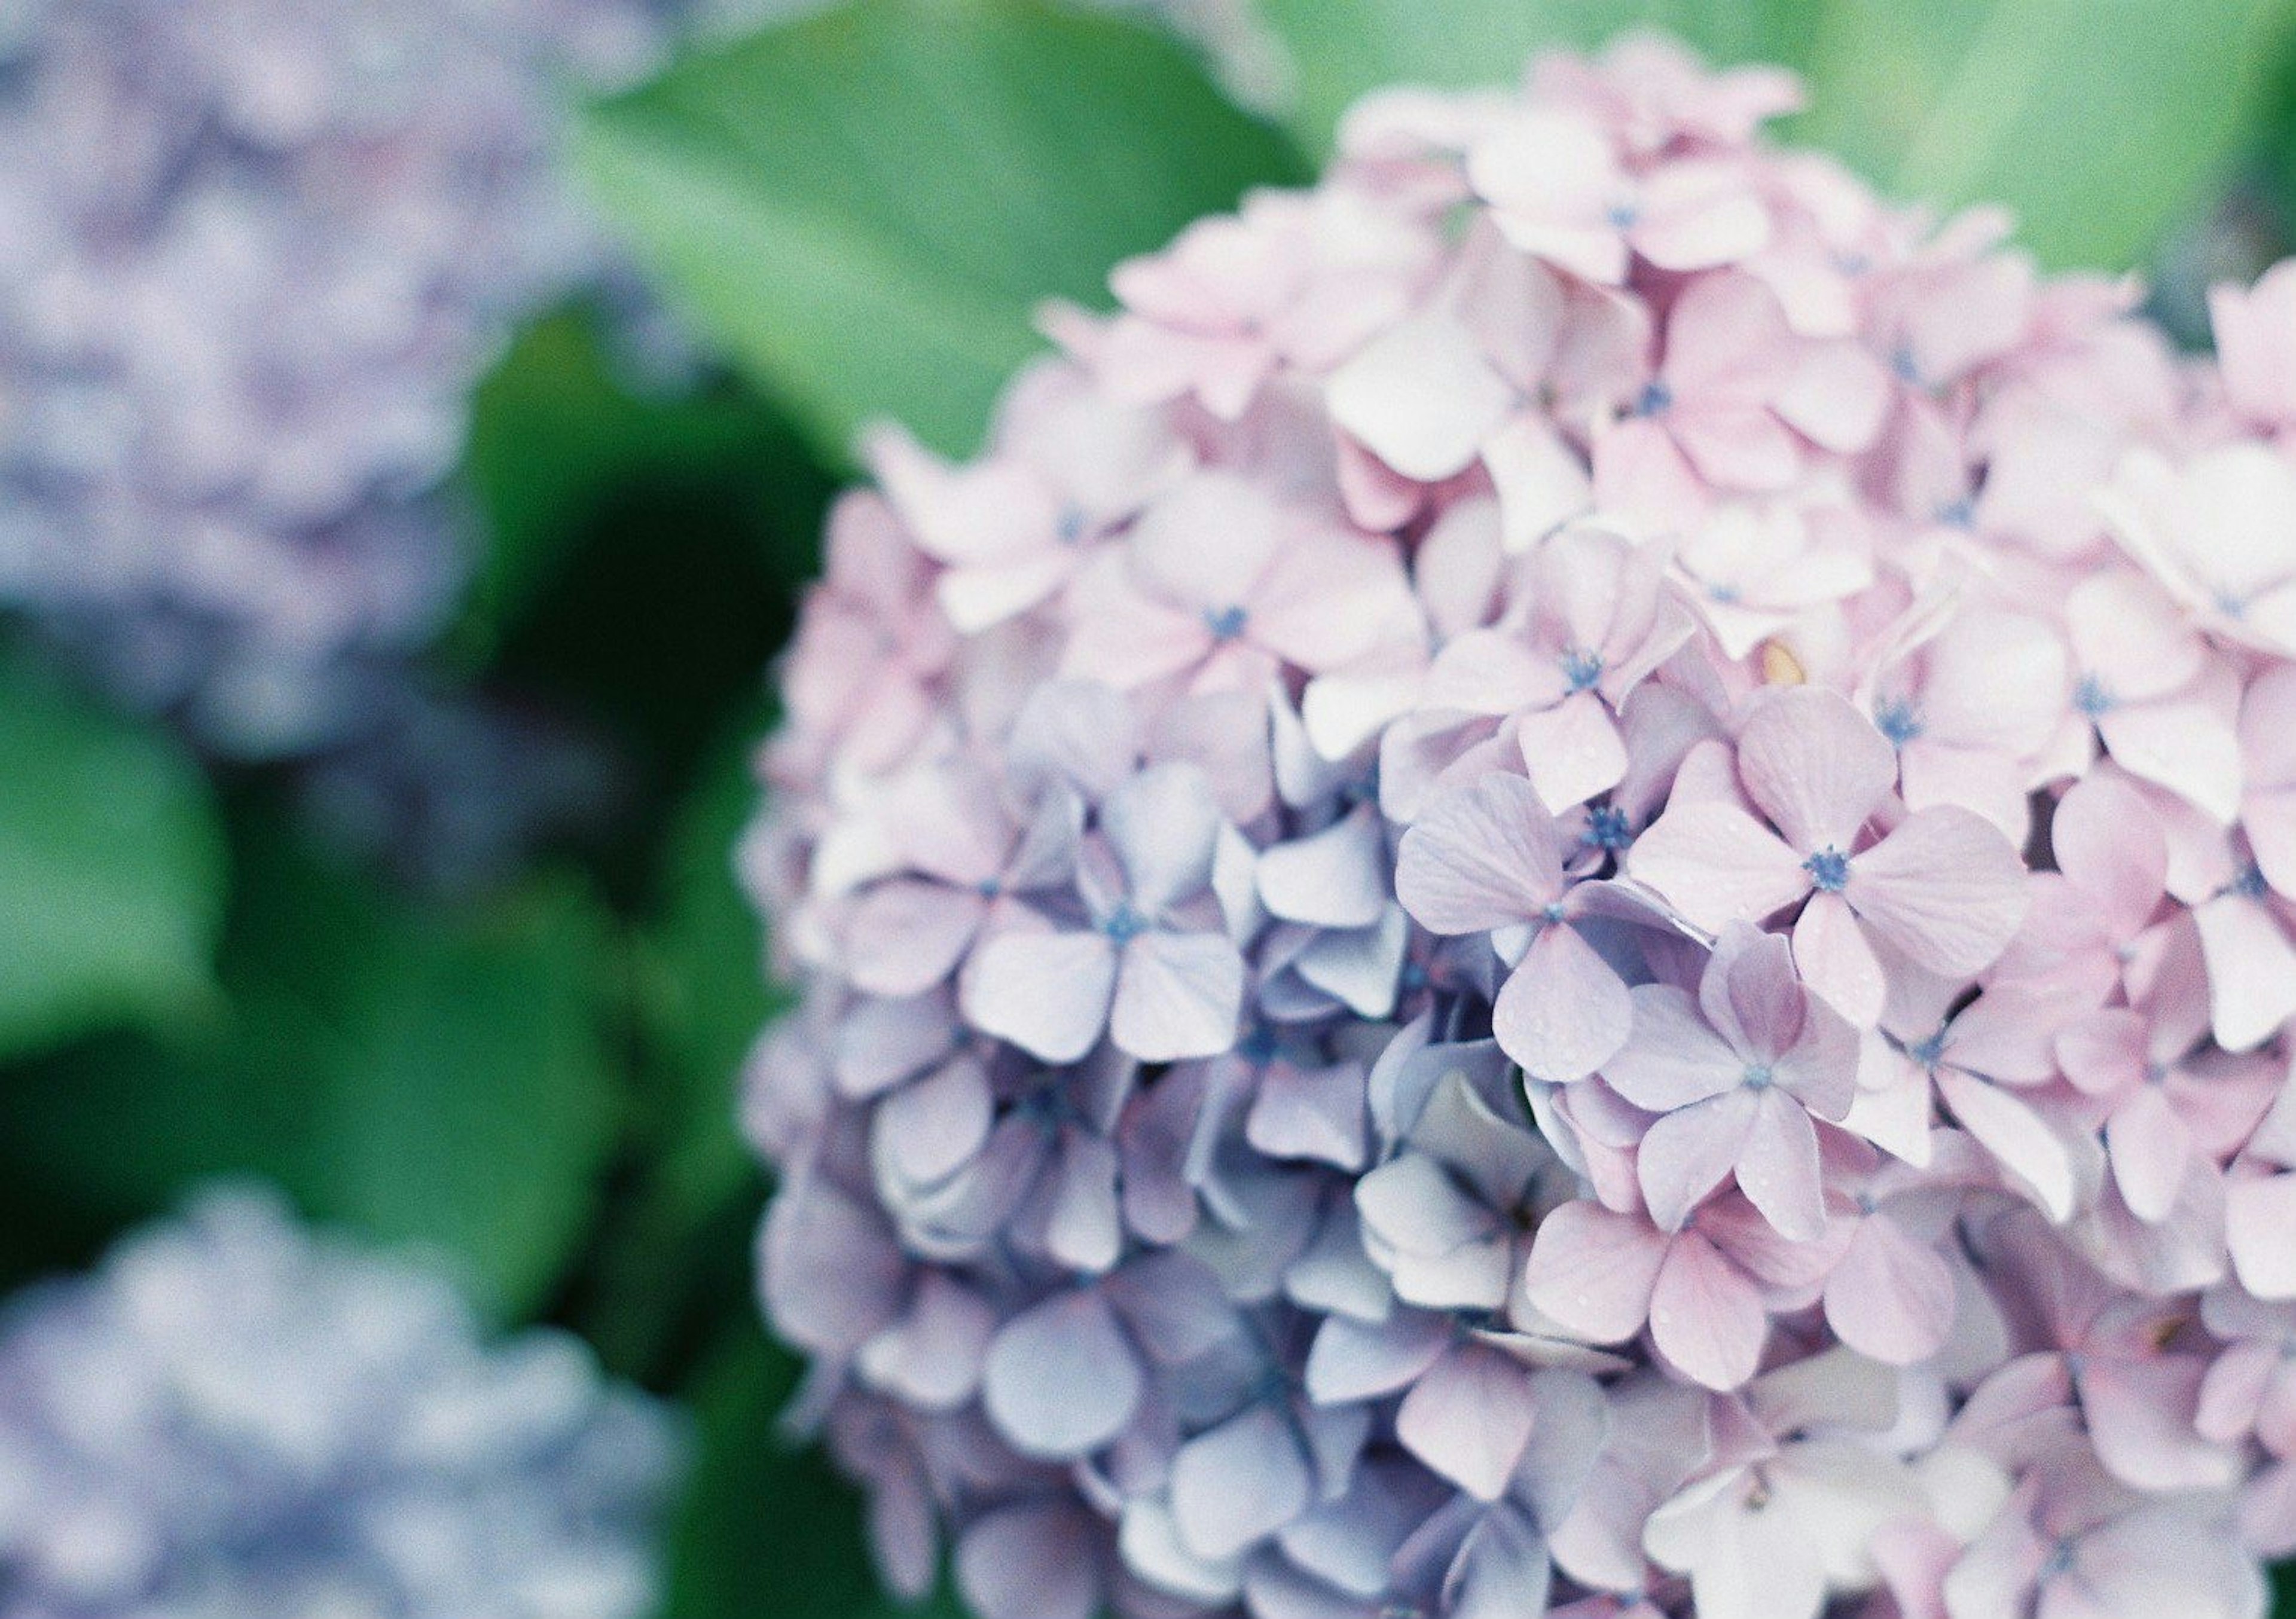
point(235, 1420)
point(253, 256)
point(1567, 886)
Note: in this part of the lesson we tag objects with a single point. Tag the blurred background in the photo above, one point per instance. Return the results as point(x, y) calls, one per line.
point(416, 419)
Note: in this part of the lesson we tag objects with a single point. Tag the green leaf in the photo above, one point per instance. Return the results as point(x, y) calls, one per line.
point(866, 208)
point(767, 1527)
point(112, 869)
point(443, 1078)
point(2097, 121)
point(564, 443)
point(1344, 48)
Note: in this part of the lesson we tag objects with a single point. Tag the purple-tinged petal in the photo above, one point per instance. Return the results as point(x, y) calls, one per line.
point(1592, 1271)
point(1945, 889)
point(1715, 864)
point(1689, 1152)
point(1238, 1483)
point(1890, 1297)
point(1047, 993)
point(1468, 1417)
point(1816, 767)
point(1564, 1011)
point(1706, 1317)
point(1062, 1380)
point(1485, 855)
point(1675, 1059)
point(1178, 995)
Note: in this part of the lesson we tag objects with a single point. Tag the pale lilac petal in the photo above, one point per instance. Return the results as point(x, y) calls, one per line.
point(1060, 1380)
point(1485, 855)
point(1029, 1562)
point(1689, 1152)
point(1834, 955)
point(1162, 824)
point(1468, 1418)
point(1047, 993)
point(2151, 1150)
point(1238, 1483)
point(1591, 1270)
point(1674, 1057)
point(906, 937)
point(1352, 1359)
point(2014, 1135)
point(2140, 1417)
point(1778, 1169)
point(2251, 971)
point(1890, 1296)
point(1336, 877)
point(1715, 864)
point(1815, 766)
point(1705, 1315)
point(2259, 1217)
point(1311, 1113)
point(1422, 398)
point(1945, 889)
point(1178, 995)
point(1564, 1011)
point(1573, 750)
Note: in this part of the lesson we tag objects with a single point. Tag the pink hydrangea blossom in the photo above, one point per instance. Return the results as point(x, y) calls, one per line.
point(1568, 885)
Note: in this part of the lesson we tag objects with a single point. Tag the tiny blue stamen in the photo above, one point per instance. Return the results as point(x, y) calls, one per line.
point(2250, 883)
point(1607, 828)
point(1657, 398)
point(1259, 1047)
point(990, 888)
point(1829, 870)
point(1625, 216)
point(1124, 924)
point(1070, 527)
point(2060, 1561)
point(1898, 720)
point(2092, 699)
point(1928, 1052)
point(1553, 914)
point(1225, 623)
point(1959, 514)
point(1583, 670)
point(1907, 368)
point(1758, 1076)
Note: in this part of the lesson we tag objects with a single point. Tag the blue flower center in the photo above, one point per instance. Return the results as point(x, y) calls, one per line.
point(1124, 924)
point(1582, 669)
point(1758, 1076)
point(1898, 720)
point(1928, 1053)
point(1625, 216)
point(2250, 883)
point(2091, 697)
point(1829, 870)
point(1959, 514)
point(1657, 398)
point(1607, 828)
point(1225, 623)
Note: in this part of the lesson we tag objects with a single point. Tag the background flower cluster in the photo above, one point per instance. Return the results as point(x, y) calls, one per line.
point(1556, 888)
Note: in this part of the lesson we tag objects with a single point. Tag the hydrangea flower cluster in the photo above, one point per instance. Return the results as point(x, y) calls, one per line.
point(235, 1420)
point(1566, 886)
point(253, 256)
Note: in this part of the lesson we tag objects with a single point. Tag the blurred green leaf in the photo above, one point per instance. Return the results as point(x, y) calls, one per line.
point(112, 869)
point(442, 1077)
point(769, 1530)
point(562, 435)
point(1344, 48)
point(866, 207)
point(712, 994)
point(2097, 121)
